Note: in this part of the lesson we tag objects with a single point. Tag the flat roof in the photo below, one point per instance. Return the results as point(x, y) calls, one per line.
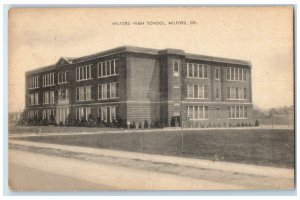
point(143, 50)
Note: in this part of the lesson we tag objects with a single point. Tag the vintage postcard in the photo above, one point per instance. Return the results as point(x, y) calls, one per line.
point(151, 98)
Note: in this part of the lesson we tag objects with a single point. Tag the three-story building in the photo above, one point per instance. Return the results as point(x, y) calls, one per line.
point(136, 84)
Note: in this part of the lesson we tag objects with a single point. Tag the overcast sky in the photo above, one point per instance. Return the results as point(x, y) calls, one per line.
point(264, 36)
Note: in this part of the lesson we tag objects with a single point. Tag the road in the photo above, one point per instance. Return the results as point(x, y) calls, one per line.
point(38, 166)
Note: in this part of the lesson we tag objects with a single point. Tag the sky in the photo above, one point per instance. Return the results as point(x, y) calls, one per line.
point(262, 35)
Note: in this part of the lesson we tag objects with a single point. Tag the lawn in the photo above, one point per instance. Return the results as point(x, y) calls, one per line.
point(253, 146)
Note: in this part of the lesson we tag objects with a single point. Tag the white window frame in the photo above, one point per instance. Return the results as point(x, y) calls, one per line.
point(84, 73)
point(242, 112)
point(84, 93)
point(202, 113)
point(113, 90)
point(101, 65)
point(176, 73)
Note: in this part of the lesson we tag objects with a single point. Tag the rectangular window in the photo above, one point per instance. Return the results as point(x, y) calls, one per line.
point(237, 112)
point(48, 79)
point(228, 73)
point(190, 91)
point(217, 73)
point(205, 71)
point(83, 73)
point(83, 93)
point(82, 113)
point(107, 68)
point(244, 75)
point(205, 91)
point(107, 113)
point(245, 93)
point(62, 77)
point(190, 70)
point(33, 82)
point(176, 68)
point(195, 73)
point(108, 91)
point(200, 68)
point(240, 74)
point(198, 112)
point(196, 92)
point(228, 93)
point(217, 93)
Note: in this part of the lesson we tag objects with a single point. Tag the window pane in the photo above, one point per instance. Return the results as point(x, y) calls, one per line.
point(195, 91)
point(240, 74)
point(245, 93)
point(104, 68)
point(205, 112)
point(112, 67)
point(237, 114)
point(190, 112)
point(196, 112)
point(190, 70)
point(205, 71)
point(196, 71)
point(108, 91)
point(200, 91)
point(99, 91)
point(190, 91)
point(205, 91)
point(200, 71)
point(236, 74)
point(228, 92)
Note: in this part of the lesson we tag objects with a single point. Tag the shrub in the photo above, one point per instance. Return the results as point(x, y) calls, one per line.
point(146, 125)
point(256, 123)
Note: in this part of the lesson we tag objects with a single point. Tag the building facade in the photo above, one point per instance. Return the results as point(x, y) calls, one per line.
point(167, 87)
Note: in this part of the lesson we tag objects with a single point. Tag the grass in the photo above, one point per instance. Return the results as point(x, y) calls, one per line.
point(252, 146)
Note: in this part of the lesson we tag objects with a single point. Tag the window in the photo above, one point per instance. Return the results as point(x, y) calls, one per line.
point(218, 113)
point(217, 93)
point(237, 112)
point(33, 82)
point(176, 68)
point(62, 77)
point(107, 68)
point(197, 70)
point(84, 73)
point(236, 93)
point(217, 73)
point(107, 113)
point(48, 97)
point(83, 93)
point(108, 91)
point(33, 114)
point(198, 112)
point(63, 94)
point(82, 113)
point(48, 79)
point(34, 99)
point(48, 113)
point(197, 91)
point(235, 74)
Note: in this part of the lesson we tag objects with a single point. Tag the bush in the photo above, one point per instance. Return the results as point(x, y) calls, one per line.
point(146, 125)
point(238, 125)
point(256, 123)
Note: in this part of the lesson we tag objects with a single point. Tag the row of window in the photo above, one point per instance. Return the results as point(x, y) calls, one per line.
point(33, 99)
point(108, 113)
point(105, 113)
point(235, 74)
point(108, 91)
point(107, 68)
point(34, 82)
point(201, 112)
point(197, 91)
point(198, 112)
point(62, 94)
point(236, 93)
point(197, 70)
point(83, 93)
point(48, 79)
point(84, 73)
point(62, 77)
point(238, 112)
point(48, 97)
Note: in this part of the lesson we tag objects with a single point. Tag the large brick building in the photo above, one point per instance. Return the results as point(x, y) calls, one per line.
point(135, 84)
